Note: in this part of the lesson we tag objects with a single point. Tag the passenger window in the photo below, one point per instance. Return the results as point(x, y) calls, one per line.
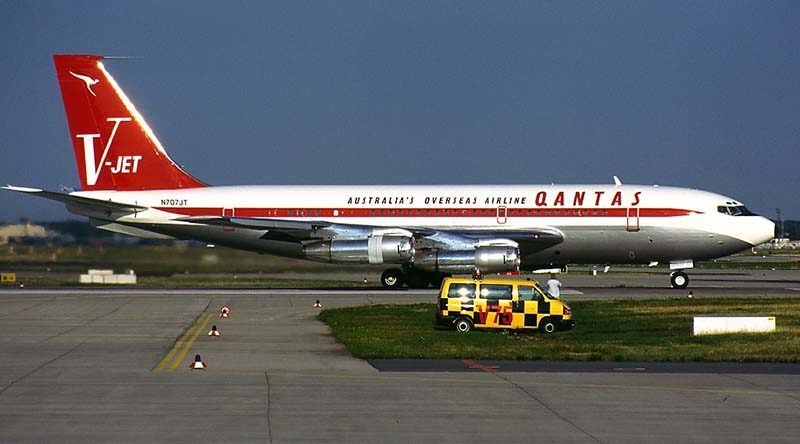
point(494, 291)
point(461, 291)
point(525, 293)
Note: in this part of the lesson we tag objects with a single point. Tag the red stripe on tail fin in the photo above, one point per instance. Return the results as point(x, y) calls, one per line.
point(114, 147)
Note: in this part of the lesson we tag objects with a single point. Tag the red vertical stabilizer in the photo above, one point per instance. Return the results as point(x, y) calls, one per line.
point(114, 147)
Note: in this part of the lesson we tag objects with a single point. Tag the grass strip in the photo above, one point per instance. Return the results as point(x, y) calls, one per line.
point(608, 330)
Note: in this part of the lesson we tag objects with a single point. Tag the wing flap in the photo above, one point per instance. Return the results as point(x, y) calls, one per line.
point(256, 223)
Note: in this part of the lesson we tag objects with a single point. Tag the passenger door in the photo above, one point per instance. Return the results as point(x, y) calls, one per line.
point(527, 306)
point(632, 219)
point(502, 215)
point(460, 298)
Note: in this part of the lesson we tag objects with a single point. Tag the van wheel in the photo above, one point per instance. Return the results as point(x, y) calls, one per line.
point(548, 326)
point(463, 325)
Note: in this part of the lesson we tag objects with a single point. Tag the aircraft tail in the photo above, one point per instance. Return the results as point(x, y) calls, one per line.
point(114, 147)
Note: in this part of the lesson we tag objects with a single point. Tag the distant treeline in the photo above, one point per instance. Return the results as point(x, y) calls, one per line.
point(79, 230)
point(82, 232)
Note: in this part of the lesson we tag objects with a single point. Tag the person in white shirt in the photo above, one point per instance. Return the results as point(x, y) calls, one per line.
point(554, 286)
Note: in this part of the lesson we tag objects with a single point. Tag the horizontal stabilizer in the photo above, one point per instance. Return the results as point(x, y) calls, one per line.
point(105, 205)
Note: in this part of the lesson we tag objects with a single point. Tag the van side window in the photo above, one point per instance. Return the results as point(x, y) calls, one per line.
point(526, 293)
point(461, 290)
point(494, 291)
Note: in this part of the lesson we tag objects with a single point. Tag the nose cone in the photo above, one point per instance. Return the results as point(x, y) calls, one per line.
point(760, 230)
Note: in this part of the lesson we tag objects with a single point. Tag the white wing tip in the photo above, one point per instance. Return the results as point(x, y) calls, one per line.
point(21, 189)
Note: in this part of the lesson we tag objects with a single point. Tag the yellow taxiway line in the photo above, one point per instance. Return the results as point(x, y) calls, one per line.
point(183, 344)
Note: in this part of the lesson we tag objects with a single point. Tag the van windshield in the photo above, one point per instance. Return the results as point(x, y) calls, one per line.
point(542, 293)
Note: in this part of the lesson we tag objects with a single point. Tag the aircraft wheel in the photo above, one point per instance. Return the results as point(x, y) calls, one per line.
point(679, 279)
point(392, 278)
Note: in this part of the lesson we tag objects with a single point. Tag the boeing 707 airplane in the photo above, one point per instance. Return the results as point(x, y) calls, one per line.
point(422, 233)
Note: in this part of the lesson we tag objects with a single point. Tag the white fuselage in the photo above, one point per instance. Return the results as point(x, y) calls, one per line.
point(600, 224)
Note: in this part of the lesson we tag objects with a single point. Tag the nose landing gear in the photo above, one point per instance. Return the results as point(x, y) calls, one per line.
point(679, 279)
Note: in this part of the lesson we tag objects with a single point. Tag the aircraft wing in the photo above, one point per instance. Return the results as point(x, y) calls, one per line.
point(96, 204)
point(282, 229)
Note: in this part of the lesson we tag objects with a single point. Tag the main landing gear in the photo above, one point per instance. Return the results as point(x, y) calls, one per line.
point(396, 278)
point(679, 279)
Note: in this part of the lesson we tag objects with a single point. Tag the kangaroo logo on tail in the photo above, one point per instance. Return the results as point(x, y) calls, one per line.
point(88, 80)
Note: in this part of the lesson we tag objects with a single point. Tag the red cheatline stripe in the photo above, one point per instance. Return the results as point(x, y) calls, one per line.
point(429, 212)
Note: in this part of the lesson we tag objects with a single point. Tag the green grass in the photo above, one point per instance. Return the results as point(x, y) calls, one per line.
point(620, 330)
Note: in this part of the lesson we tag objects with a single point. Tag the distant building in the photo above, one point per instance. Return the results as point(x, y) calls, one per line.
point(779, 243)
point(26, 230)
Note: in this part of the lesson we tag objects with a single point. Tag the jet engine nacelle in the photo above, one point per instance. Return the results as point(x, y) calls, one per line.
point(374, 250)
point(486, 259)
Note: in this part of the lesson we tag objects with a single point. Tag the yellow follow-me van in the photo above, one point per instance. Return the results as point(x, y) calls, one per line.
point(465, 303)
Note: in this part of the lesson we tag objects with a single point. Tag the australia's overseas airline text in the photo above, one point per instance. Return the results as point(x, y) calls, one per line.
point(539, 199)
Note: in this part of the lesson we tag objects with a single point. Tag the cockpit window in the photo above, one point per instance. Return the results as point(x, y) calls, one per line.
point(735, 210)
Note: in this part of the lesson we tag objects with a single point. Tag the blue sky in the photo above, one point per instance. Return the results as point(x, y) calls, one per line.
point(696, 94)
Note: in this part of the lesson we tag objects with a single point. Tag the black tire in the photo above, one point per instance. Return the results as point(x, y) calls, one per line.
point(392, 278)
point(679, 280)
point(463, 325)
point(548, 326)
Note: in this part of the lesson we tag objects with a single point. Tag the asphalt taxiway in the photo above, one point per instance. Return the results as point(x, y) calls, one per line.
point(112, 366)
